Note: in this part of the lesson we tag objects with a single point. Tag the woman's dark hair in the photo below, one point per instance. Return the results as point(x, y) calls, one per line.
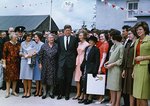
point(116, 35)
point(93, 38)
point(127, 27)
point(105, 32)
point(132, 29)
point(27, 34)
point(39, 34)
point(144, 25)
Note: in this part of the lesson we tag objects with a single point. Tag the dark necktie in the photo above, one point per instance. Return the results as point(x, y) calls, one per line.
point(67, 44)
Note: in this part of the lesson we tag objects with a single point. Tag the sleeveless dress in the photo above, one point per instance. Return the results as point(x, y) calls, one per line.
point(79, 59)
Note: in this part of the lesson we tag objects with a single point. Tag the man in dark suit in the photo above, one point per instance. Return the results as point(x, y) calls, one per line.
point(67, 51)
point(20, 32)
point(125, 41)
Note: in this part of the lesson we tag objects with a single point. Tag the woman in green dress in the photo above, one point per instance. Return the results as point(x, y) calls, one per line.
point(141, 75)
point(114, 68)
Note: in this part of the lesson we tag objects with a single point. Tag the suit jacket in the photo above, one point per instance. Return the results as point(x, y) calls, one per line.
point(116, 55)
point(93, 61)
point(128, 56)
point(67, 57)
point(1, 47)
point(21, 40)
point(144, 49)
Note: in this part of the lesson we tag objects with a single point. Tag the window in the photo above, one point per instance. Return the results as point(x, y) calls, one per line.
point(132, 10)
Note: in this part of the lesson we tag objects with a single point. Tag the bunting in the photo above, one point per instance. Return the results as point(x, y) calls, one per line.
point(26, 5)
point(122, 8)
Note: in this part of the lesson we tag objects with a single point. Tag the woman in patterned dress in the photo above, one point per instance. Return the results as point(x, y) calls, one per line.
point(81, 49)
point(11, 63)
point(26, 73)
point(47, 64)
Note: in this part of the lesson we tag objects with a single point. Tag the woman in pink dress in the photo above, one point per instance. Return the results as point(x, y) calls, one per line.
point(81, 47)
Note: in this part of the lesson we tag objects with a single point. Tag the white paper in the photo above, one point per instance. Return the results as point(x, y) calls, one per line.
point(31, 51)
point(96, 85)
point(29, 60)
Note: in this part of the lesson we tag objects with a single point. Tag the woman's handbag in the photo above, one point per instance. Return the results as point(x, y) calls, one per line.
point(33, 61)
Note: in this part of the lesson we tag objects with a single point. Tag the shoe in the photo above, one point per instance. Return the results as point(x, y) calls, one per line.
point(14, 94)
point(7, 96)
point(40, 95)
point(97, 102)
point(23, 96)
point(36, 94)
point(75, 98)
point(52, 96)
point(88, 102)
point(100, 102)
point(67, 98)
point(59, 97)
point(82, 101)
point(28, 96)
point(108, 104)
point(44, 96)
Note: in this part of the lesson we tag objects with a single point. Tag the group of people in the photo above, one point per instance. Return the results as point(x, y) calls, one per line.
point(49, 60)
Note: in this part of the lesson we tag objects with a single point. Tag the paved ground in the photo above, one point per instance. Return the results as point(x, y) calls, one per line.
point(37, 101)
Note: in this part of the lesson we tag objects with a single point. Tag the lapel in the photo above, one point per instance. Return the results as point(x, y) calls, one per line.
point(147, 38)
point(135, 45)
point(91, 52)
point(63, 42)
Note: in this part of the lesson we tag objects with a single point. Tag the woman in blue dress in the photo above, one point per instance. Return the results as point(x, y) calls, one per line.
point(26, 72)
point(37, 71)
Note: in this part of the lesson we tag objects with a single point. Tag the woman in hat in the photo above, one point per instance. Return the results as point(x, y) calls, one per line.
point(27, 51)
point(37, 71)
point(47, 63)
point(90, 65)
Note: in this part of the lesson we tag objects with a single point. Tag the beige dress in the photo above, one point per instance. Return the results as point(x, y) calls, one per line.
point(79, 59)
point(114, 80)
